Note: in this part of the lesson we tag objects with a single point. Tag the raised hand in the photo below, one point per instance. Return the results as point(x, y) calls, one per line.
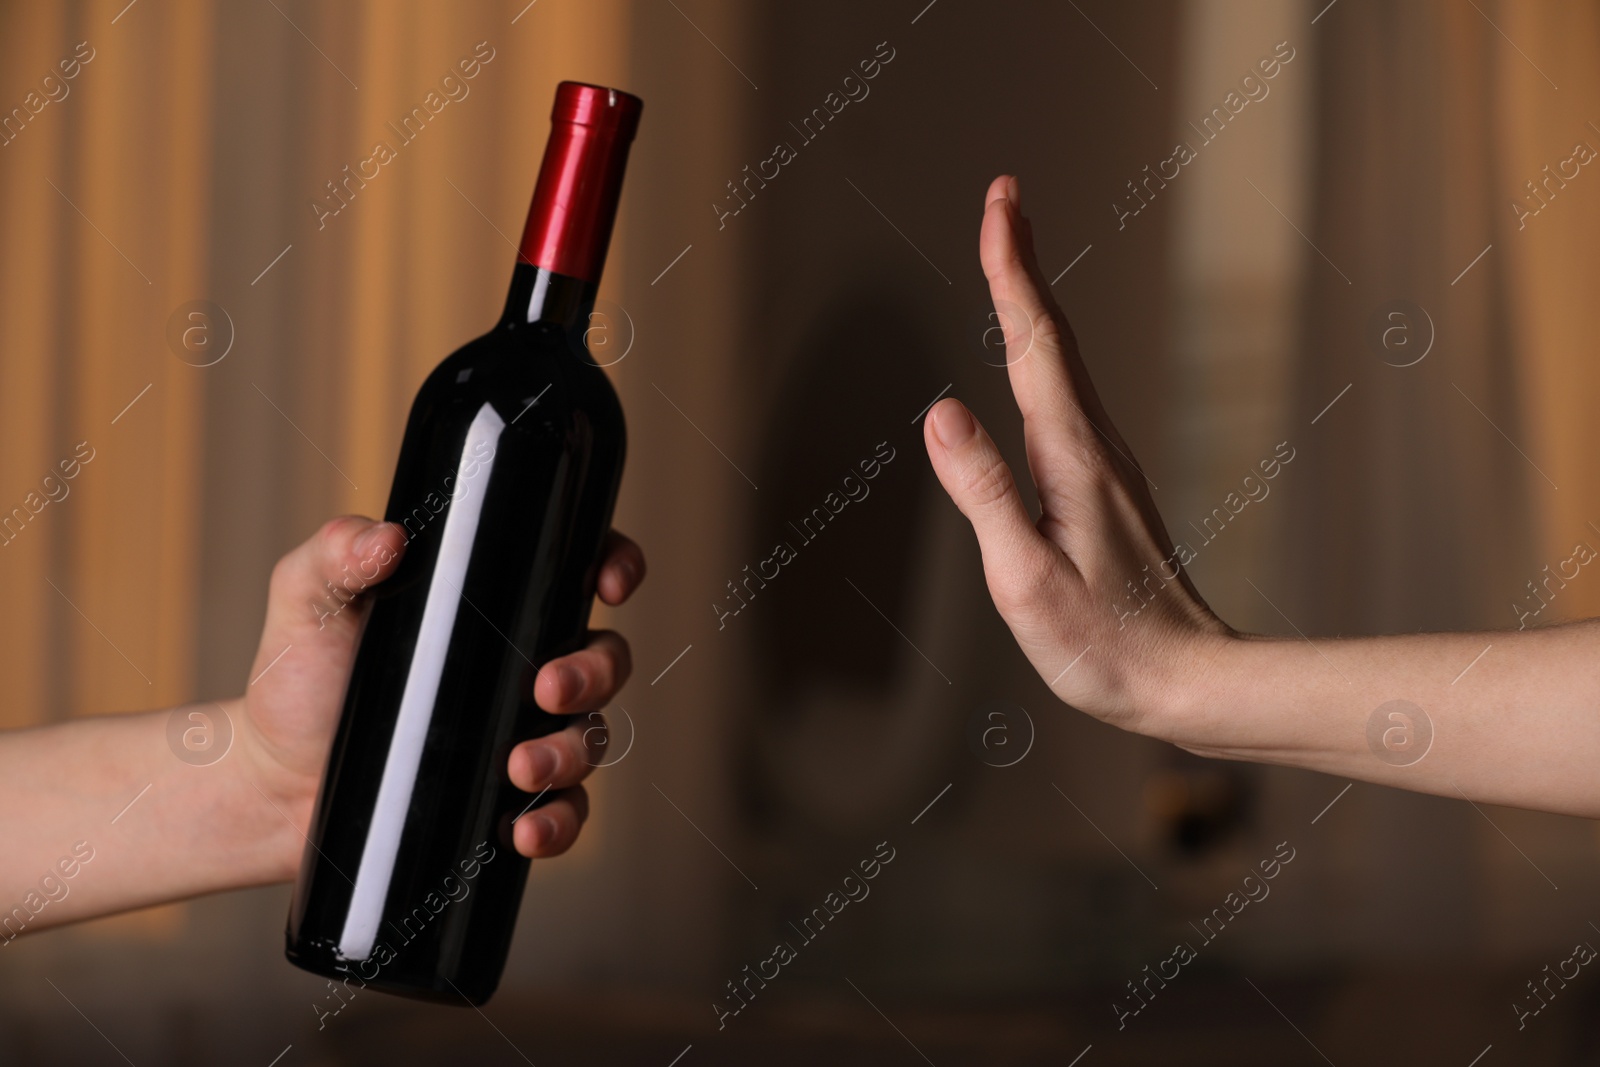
point(1092, 589)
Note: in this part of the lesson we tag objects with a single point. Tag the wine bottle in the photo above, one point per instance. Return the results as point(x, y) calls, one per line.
point(505, 485)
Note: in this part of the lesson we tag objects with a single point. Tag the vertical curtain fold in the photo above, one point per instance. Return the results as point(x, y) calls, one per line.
point(1414, 510)
point(1544, 107)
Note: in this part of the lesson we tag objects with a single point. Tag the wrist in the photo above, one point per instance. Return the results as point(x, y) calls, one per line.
point(1209, 699)
point(274, 802)
point(1265, 699)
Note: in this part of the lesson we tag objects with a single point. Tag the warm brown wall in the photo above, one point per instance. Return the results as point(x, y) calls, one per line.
point(848, 730)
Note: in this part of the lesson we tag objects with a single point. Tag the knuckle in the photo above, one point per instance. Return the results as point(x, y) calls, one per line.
point(1046, 327)
point(1096, 465)
point(1009, 595)
point(988, 481)
point(1022, 580)
point(1086, 462)
point(335, 535)
point(329, 531)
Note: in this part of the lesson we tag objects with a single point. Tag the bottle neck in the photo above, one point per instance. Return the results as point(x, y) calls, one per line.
point(574, 205)
point(541, 296)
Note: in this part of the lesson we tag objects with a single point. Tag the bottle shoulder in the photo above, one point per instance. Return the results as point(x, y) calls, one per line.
point(533, 376)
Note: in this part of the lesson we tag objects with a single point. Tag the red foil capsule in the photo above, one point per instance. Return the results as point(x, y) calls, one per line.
point(569, 224)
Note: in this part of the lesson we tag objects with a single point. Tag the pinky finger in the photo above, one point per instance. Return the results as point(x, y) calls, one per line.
point(551, 829)
point(621, 570)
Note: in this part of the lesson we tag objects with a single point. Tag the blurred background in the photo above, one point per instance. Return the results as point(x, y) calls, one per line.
point(1366, 259)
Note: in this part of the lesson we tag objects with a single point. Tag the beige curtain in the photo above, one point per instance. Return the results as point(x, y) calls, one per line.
point(1433, 493)
point(1555, 268)
point(103, 237)
point(133, 195)
point(1414, 507)
point(1442, 489)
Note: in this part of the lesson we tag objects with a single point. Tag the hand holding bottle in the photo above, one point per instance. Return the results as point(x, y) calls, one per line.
point(183, 829)
point(314, 613)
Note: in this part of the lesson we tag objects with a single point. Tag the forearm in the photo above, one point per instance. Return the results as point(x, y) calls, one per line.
point(153, 827)
point(1518, 726)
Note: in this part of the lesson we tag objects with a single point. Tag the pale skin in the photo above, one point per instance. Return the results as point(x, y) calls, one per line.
point(241, 821)
point(1521, 727)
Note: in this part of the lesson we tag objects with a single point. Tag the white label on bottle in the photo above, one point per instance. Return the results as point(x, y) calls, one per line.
point(422, 686)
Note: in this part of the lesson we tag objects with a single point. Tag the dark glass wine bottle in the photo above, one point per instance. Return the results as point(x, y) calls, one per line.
point(505, 485)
